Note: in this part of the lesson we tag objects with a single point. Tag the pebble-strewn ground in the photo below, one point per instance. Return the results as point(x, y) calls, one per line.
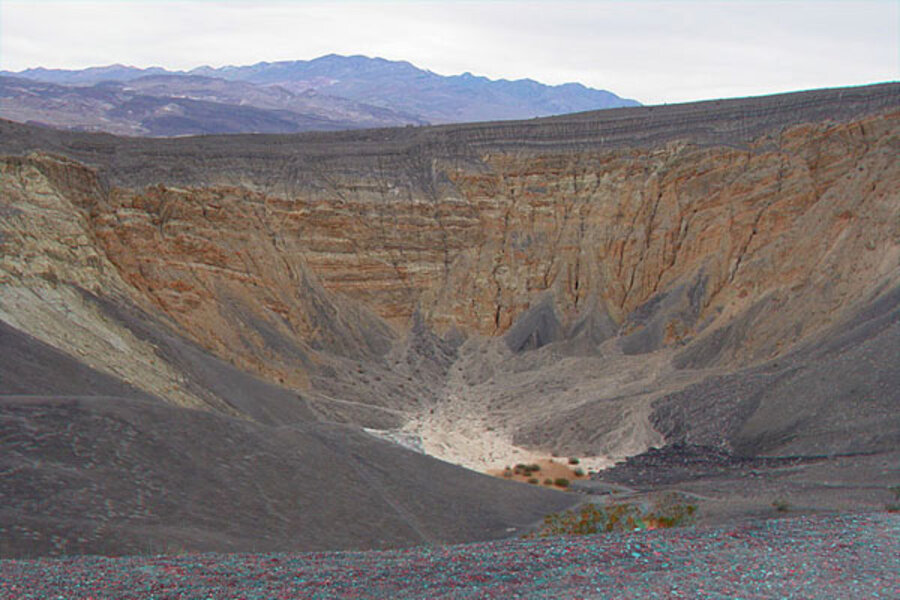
point(809, 557)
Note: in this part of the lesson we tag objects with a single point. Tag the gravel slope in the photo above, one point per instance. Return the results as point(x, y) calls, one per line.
point(823, 557)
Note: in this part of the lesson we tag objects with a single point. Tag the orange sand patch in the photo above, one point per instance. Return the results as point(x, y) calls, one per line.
point(550, 469)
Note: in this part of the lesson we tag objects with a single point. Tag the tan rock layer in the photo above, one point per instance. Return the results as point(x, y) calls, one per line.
point(807, 220)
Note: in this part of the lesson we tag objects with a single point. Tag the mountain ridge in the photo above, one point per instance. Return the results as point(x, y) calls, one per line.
point(355, 91)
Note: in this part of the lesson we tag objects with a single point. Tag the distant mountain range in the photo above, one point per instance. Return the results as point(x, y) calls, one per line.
point(328, 93)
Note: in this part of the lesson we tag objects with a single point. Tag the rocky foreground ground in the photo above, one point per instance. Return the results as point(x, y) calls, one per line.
point(834, 556)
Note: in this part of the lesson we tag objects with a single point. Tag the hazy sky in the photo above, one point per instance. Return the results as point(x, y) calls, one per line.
point(652, 51)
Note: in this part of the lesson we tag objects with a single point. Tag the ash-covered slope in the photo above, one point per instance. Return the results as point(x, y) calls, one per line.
point(718, 273)
point(93, 465)
point(115, 475)
point(120, 435)
point(835, 393)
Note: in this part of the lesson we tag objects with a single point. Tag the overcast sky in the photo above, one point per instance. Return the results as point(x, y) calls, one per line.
point(654, 52)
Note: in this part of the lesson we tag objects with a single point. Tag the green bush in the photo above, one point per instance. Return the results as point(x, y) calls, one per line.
point(667, 511)
point(533, 480)
point(526, 470)
point(561, 482)
point(573, 461)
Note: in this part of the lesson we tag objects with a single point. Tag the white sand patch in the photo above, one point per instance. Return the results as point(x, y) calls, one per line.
point(451, 433)
point(468, 442)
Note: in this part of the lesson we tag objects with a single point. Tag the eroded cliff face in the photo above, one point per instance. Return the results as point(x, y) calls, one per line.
point(806, 224)
point(690, 258)
point(51, 256)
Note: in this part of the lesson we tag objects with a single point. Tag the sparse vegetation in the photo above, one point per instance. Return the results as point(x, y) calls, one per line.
point(548, 481)
point(561, 482)
point(895, 505)
point(667, 511)
point(781, 505)
point(579, 472)
point(526, 470)
point(533, 480)
point(573, 460)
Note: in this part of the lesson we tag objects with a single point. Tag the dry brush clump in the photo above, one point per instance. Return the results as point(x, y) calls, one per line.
point(895, 505)
point(781, 505)
point(522, 469)
point(666, 511)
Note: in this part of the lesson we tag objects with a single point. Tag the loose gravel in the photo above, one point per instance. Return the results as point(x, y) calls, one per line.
point(834, 556)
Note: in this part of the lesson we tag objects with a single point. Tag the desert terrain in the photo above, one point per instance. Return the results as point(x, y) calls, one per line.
point(325, 341)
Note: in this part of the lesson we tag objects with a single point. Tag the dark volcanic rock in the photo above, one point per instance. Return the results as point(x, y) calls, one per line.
point(839, 392)
point(679, 462)
point(121, 476)
point(93, 465)
point(31, 367)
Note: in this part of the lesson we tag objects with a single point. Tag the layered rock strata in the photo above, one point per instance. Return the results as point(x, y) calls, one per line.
point(693, 238)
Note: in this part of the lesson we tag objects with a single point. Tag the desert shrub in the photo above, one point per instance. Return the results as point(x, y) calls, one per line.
point(561, 482)
point(895, 505)
point(533, 480)
point(579, 472)
point(573, 460)
point(781, 505)
point(548, 481)
point(526, 470)
point(666, 511)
